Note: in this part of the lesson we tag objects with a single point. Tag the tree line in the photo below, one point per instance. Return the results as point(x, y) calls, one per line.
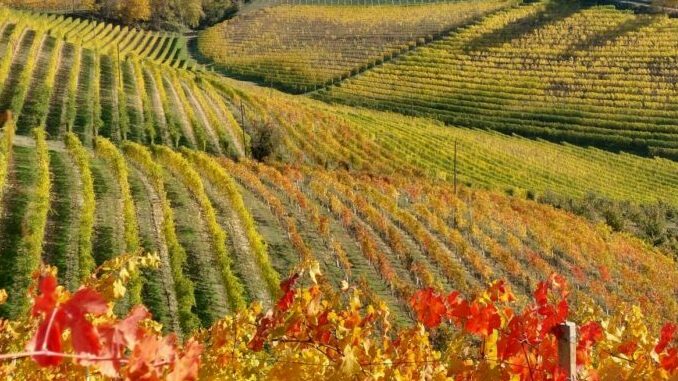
point(158, 14)
point(165, 13)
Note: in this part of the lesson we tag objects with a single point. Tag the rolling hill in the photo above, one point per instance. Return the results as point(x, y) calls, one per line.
point(226, 232)
point(300, 48)
point(591, 76)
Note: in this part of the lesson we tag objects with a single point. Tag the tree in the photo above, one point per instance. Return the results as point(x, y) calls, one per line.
point(135, 10)
point(190, 11)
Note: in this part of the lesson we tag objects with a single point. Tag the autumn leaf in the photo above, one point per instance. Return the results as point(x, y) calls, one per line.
point(48, 337)
point(669, 361)
point(287, 287)
point(186, 367)
point(120, 336)
point(314, 271)
point(429, 306)
point(349, 362)
point(483, 319)
point(628, 347)
point(541, 293)
point(458, 308)
point(665, 336)
point(73, 314)
point(589, 334)
point(149, 351)
point(70, 315)
point(500, 291)
point(46, 300)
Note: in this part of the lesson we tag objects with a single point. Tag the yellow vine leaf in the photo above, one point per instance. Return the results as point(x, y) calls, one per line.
point(349, 364)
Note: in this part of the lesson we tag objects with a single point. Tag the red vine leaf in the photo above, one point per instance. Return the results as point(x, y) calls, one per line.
point(429, 306)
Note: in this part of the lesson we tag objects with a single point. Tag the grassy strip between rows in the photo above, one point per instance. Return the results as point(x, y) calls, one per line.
point(183, 286)
point(6, 141)
point(114, 157)
point(216, 174)
point(33, 227)
point(82, 159)
point(192, 181)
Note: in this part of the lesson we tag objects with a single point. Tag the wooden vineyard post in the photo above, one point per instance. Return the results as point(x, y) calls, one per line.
point(242, 119)
point(567, 349)
point(121, 89)
point(455, 168)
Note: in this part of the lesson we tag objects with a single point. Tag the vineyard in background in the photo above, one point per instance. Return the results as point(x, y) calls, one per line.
point(388, 143)
point(68, 88)
point(590, 76)
point(100, 37)
point(300, 48)
point(53, 6)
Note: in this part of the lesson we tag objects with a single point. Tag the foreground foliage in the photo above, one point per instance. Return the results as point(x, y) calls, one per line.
point(312, 333)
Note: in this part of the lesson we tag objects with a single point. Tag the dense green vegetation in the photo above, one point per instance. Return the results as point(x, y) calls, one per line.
point(656, 223)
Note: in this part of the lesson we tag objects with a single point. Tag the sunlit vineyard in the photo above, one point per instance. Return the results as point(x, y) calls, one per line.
point(594, 76)
point(139, 99)
point(448, 199)
point(219, 249)
point(387, 143)
point(105, 38)
point(51, 5)
point(299, 47)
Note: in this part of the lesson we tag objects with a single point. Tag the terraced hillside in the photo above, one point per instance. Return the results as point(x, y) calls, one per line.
point(104, 38)
point(300, 47)
point(48, 81)
point(225, 232)
point(387, 143)
point(51, 5)
point(589, 76)
point(140, 94)
point(135, 152)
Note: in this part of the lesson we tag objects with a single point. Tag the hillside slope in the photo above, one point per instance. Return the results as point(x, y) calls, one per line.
point(220, 248)
point(301, 47)
point(68, 88)
point(592, 76)
point(376, 198)
point(388, 143)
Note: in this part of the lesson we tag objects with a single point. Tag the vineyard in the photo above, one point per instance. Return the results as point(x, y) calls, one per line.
point(299, 48)
point(589, 76)
point(96, 79)
point(103, 38)
point(50, 5)
point(219, 250)
point(387, 143)
point(159, 220)
point(138, 98)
